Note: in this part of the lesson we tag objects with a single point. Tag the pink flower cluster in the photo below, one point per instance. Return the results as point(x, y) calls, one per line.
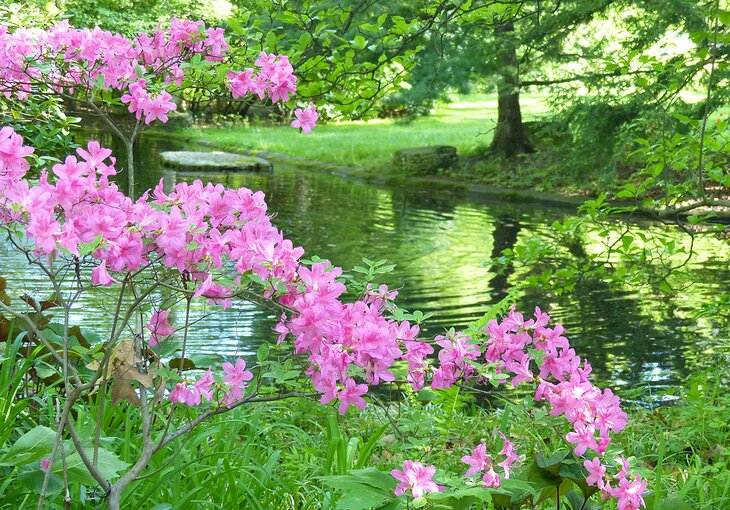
point(479, 461)
point(305, 119)
point(194, 226)
point(417, 478)
point(158, 326)
point(455, 358)
point(13, 164)
point(343, 338)
point(234, 382)
point(195, 229)
point(628, 492)
point(142, 103)
point(68, 59)
point(530, 351)
point(275, 78)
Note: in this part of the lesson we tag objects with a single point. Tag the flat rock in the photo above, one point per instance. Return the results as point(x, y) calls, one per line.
point(214, 161)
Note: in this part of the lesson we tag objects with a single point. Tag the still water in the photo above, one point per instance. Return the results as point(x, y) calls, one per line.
point(442, 245)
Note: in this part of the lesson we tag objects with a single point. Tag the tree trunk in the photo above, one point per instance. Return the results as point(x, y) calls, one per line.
point(130, 168)
point(509, 135)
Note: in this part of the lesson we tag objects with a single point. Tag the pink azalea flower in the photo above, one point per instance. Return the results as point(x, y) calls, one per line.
point(596, 472)
point(477, 461)
point(95, 153)
point(43, 229)
point(242, 82)
point(181, 394)
point(511, 456)
point(491, 479)
point(216, 42)
point(202, 388)
point(583, 438)
point(521, 370)
point(351, 395)
point(417, 478)
point(305, 119)
point(159, 327)
point(629, 493)
point(233, 395)
point(236, 375)
point(158, 107)
point(100, 276)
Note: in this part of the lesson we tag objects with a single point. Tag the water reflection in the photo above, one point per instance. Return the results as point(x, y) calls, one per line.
point(441, 245)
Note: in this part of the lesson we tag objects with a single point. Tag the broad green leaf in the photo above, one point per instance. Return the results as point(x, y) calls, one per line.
point(361, 497)
point(33, 445)
point(109, 467)
point(551, 463)
point(33, 480)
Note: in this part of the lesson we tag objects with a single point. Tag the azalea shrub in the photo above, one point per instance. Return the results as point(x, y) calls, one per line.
point(106, 71)
point(206, 242)
point(336, 337)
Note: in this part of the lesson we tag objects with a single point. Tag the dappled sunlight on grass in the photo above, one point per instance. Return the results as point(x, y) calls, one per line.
point(466, 124)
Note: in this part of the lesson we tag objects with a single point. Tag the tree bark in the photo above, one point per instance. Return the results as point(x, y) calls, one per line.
point(130, 168)
point(510, 138)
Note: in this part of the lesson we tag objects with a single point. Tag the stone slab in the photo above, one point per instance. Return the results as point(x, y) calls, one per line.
point(214, 161)
point(426, 160)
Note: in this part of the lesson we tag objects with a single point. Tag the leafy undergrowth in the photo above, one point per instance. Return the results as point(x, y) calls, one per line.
point(299, 454)
point(685, 447)
point(294, 454)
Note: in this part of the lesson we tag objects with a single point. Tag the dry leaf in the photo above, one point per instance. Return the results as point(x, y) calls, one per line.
point(123, 370)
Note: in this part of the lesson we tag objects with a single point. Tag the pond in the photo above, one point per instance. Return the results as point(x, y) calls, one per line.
point(442, 244)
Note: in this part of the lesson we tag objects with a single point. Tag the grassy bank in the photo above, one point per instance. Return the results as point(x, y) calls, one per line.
point(466, 124)
point(283, 450)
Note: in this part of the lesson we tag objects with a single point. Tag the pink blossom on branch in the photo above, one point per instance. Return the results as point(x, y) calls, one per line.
point(596, 472)
point(100, 275)
point(491, 479)
point(305, 119)
point(236, 375)
point(140, 69)
point(158, 108)
point(417, 478)
point(478, 461)
point(159, 327)
point(351, 394)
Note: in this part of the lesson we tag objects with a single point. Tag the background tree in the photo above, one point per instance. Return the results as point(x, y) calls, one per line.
point(610, 51)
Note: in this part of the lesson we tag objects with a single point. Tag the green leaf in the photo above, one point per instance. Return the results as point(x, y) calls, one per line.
point(472, 492)
point(538, 477)
point(578, 502)
point(576, 473)
point(420, 502)
point(361, 498)
point(371, 477)
point(33, 445)
point(263, 352)
point(551, 463)
point(108, 467)
point(86, 248)
point(33, 480)
point(673, 504)
point(362, 488)
point(359, 42)
point(182, 364)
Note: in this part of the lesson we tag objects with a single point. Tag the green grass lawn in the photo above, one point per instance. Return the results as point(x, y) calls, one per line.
point(466, 124)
